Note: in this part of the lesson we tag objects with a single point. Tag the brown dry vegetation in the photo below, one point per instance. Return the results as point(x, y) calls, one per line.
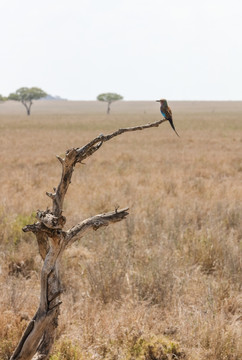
point(163, 284)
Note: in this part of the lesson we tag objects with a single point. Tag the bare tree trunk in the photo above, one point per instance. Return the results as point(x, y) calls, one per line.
point(27, 106)
point(39, 336)
point(108, 108)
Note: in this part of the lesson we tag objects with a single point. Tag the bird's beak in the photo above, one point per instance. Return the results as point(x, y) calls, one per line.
point(157, 100)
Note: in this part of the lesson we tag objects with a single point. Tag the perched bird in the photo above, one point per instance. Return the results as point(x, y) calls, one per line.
point(166, 112)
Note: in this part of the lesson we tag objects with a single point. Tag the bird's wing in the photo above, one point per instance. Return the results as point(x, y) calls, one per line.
point(168, 113)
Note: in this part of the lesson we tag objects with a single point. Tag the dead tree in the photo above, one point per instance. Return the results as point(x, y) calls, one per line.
point(39, 336)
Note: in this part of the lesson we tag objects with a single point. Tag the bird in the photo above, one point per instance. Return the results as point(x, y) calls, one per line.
point(167, 113)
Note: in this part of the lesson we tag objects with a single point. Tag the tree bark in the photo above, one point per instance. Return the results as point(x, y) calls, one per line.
point(39, 336)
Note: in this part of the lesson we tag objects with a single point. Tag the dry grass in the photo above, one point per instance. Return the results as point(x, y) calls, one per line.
point(165, 284)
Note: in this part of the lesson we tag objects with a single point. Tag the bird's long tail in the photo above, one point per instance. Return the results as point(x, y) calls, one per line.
point(173, 127)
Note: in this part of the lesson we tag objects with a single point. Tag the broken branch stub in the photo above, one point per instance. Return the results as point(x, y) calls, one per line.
point(39, 335)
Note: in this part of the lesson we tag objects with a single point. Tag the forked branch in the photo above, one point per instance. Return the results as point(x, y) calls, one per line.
point(52, 241)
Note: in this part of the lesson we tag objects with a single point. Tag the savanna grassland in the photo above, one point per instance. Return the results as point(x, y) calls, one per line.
point(163, 284)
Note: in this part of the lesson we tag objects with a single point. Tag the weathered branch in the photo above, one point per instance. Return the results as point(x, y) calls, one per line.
point(84, 152)
point(77, 155)
point(95, 222)
point(39, 228)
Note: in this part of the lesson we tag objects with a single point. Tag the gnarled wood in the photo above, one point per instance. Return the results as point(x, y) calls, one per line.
point(39, 335)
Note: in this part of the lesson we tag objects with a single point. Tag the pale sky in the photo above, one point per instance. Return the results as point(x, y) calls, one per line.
point(141, 49)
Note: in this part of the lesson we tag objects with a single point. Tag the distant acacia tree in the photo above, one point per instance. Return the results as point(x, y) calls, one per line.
point(26, 96)
point(109, 98)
